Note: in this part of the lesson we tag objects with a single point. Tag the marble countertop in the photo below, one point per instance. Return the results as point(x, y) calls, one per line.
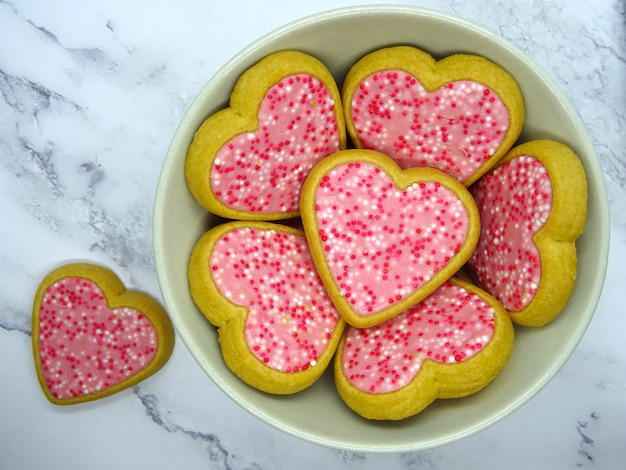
point(91, 94)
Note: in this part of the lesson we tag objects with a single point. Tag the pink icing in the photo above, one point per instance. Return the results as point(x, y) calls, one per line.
point(290, 317)
point(86, 347)
point(514, 202)
point(449, 326)
point(454, 129)
point(263, 171)
point(382, 243)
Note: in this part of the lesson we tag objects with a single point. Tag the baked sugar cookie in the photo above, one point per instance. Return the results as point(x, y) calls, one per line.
point(383, 238)
point(255, 281)
point(459, 114)
point(92, 337)
point(248, 161)
point(450, 345)
point(533, 208)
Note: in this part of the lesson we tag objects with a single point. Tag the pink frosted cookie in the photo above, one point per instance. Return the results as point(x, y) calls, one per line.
point(92, 337)
point(452, 344)
point(533, 207)
point(255, 281)
point(248, 161)
point(383, 238)
point(460, 114)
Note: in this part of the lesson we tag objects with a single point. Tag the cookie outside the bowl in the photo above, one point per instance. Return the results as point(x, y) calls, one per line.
point(92, 337)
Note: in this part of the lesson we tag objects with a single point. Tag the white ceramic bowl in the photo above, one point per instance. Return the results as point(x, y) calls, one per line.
point(339, 38)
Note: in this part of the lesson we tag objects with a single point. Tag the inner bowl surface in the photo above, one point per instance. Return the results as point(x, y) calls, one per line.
point(339, 38)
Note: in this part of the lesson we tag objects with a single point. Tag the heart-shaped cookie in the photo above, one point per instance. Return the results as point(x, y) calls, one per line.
point(452, 344)
point(255, 281)
point(533, 207)
point(248, 161)
point(92, 337)
point(383, 238)
point(459, 115)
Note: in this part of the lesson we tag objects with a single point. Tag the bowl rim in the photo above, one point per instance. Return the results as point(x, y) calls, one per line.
point(593, 293)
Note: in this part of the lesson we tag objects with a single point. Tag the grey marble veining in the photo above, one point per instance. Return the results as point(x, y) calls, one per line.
point(90, 97)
